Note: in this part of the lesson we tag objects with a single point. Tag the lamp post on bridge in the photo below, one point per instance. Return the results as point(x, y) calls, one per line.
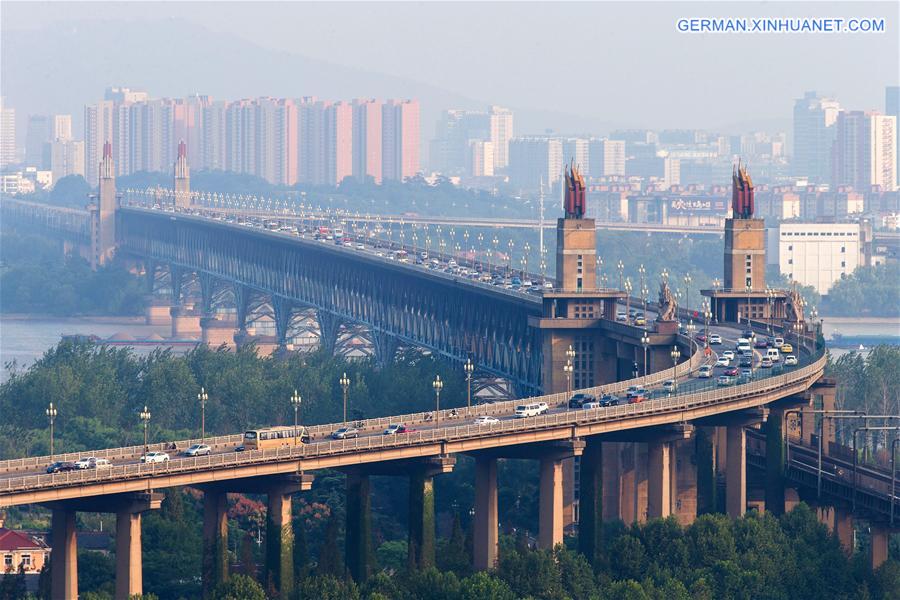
point(716, 285)
point(51, 413)
point(627, 289)
point(202, 397)
point(469, 368)
point(599, 269)
point(438, 385)
point(621, 267)
point(526, 250)
point(675, 354)
point(295, 402)
point(345, 385)
point(645, 295)
point(645, 342)
point(480, 239)
point(510, 244)
point(642, 271)
point(145, 419)
point(496, 243)
point(706, 317)
point(770, 295)
point(687, 291)
point(569, 369)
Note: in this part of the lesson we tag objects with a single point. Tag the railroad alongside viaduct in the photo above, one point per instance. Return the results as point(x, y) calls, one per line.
point(663, 456)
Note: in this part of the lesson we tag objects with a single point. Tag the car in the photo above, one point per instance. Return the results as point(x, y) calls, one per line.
point(100, 463)
point(778, 342)
point(745, 349)
point(723, 361)
point(397, 428)
point(579, 399)
point(724, 380)
point(715, 339)
point(345, 433)
point(791, 361)
point(240, 448)
point(155, 457)
point(531, 410)
point(87, 463)
point(700, 337)
point(198, 450)
point(748, 333)
point(761, 342)
point(766, 363)
point(786, 349)
point(609, 400)
point(360, 247)
point(668, 385)
point(61, 466)
point(636, 394)
point(640, 321)
point(731, 372)
point(621, 317)
point(590, 405)
point(729, 354)
point(746, 361)
point(486, 420)
point(747, 373)
point(704, 372)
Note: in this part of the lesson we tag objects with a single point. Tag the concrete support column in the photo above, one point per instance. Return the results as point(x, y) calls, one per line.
point(628, 482)
point(129, 569)
point(659, 487)
point(591, 501)
point(486, 522)
point(421, 520)
point(640, 481)
point(64, 556)
point(215, 540)
point(279, 542)
point(843, 529)
point(359, 526)
point(706, 471)
point(611, 480)
point(878, 550)
point(551, 503)
point(774, 428)
point(736, 472)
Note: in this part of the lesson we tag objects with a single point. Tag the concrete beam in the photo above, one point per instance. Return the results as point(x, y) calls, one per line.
point(843, 529)
point(288, 483)
point(662, 433)
point(435, 465)
point(746, 418)
point(486, 524)
point(558, 448)
point(134, 502)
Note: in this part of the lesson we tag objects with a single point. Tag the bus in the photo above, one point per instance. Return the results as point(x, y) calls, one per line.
point(275, 437)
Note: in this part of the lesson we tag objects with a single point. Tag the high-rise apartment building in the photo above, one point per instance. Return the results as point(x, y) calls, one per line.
point(814, 133)
point(575, 151)
point(98, 129)
point(892, 109)
point(338, 142)
point(66, 158)
point(481, 158)
point(212, 146)
point(62, 127)
point(367, 162)
point(501, 131)
point(7, 134)
point(606, 158)
point(400, 139)
point(36, 137)
point(533, 160)
point(865, 150)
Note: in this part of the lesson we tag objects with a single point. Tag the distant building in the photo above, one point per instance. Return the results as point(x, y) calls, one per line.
point(7, 134)
point(18, 548)
point(62, 127)
point(338, 142)
point(481, 158)
point(456, 128)
point(818, 254)
point(66, 158)
point(892, 109)
point(814, 133)
point(37, 135)
point(606, 158)
point(533, 160)
point(501, 132)
point(864, 151)
point(367, 160)
point(400, 139)
point(575, 151)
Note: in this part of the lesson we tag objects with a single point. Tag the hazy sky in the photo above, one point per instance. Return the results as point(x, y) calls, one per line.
point(611, 61)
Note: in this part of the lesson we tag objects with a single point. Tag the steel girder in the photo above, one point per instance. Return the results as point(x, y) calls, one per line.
point(451, 317)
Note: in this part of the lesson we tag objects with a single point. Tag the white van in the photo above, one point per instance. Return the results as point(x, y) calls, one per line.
point(531, 410)
point(773, 355)
point(705, 372)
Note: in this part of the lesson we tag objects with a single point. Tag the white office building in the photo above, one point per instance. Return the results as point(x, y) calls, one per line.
point(818, 254)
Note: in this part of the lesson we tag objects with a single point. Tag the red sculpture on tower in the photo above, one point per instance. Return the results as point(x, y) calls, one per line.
point(741, 193)
point(574, 201)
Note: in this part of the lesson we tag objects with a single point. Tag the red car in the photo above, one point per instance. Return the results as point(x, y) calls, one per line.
point(733, 371)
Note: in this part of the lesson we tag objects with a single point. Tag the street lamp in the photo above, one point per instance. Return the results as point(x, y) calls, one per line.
point(687, 291)
point(469, 368)
point(645, 294)
point(438, 385)
point(567, 369)
point(203, 397)
point(675, 354)
point(599, 268)
point(621, 267)
point(509, 245)
point(345, 385)
point(706, 317)
point(145, 418)
point(570, 364)
point(642, 271)
point(51, 413)
point(295, 402)
point(645, 342)
point(628, 297)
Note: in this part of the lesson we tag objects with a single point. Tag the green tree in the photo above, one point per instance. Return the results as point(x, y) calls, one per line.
point(239, 587)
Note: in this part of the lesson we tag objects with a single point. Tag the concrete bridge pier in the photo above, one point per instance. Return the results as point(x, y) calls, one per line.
point(592, 500)
point(358, 537)
point(216, 332)
point(486, 534)
point(878, 549)
point(705, 457)
point(280, 532)
point(421, 541)
point(64, 558)
point(185, 321)
point(215, 539)
point(551, 508)
point(660, 479)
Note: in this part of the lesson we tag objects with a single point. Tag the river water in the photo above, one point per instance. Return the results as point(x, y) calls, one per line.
point(24, 339)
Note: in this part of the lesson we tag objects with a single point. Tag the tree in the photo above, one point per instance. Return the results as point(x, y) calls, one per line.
point(239, 587)
point(330, 562)
point(483, 586)
point(627, 556)
point(71, 190)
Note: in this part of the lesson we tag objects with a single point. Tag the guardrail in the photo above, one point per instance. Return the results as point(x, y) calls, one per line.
point(429, 436)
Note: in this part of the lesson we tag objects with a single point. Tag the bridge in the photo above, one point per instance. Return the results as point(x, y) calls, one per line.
point(562, 337)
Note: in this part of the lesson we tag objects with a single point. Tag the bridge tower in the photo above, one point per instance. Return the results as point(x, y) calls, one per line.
point(573, 309)
point(182, 179)
point(103, 212)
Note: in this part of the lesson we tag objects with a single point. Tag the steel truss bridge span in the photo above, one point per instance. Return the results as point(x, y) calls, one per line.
point(453, 317)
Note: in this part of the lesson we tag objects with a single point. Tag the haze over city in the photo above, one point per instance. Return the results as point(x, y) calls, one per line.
point(457, 300)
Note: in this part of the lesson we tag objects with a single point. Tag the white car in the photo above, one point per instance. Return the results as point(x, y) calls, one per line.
point(723, 361)
point(704, 372)
point(715, 338)
point(486, 420)
point(198, 450)
point(729, 354)
point(791, 361)
point(155, 457)
point(91, 462)
point(531, 410)
point(668, 385)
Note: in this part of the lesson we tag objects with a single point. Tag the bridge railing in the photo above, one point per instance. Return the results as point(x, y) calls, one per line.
point(446, 433)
